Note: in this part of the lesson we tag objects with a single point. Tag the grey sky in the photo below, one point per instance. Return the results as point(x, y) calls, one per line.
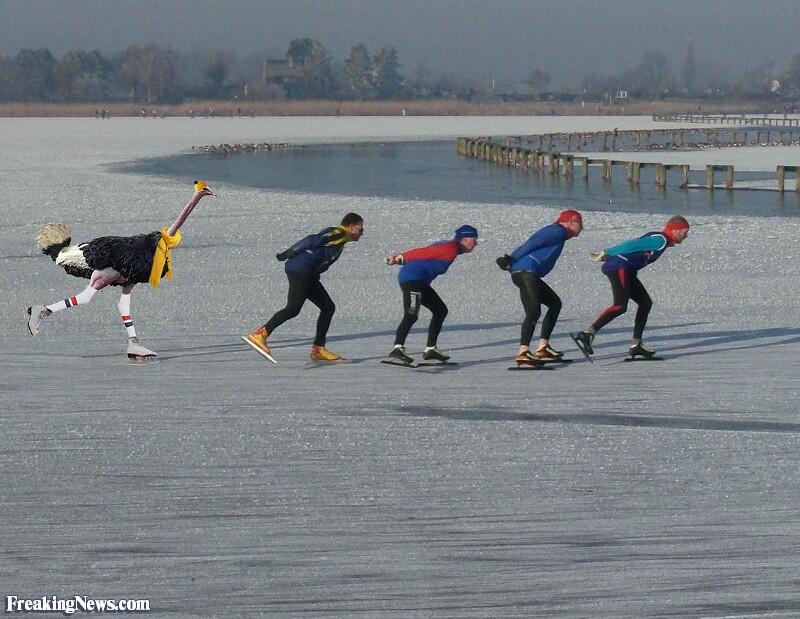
point(498, 38)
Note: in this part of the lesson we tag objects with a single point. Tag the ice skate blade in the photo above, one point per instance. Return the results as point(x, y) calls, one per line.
point(400, 364)
point(640, 358)
point(141, 359)
point(580, 347)
point(258, 350)
point(526, 367)
point(435, 364)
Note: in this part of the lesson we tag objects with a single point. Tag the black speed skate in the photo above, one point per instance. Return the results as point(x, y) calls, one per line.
point(399, 355)
point(400, 358)
point(434, 354)
point(637, 352)
point(583, 340)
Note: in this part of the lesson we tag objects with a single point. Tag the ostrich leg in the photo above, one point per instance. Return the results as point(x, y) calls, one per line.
point(136, 351)
point(98, 281)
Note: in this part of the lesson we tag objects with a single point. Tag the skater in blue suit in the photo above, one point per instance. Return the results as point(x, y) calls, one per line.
point(529, 264)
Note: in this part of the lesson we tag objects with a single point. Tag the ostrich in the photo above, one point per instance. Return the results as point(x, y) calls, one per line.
point(113, 261)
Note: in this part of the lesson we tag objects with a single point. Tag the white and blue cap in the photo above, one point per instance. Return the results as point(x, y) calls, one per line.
point(466, 232)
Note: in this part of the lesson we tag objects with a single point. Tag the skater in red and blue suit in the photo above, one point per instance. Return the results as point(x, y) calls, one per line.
point(420, 267)
point(529, 263)
point(621, 264)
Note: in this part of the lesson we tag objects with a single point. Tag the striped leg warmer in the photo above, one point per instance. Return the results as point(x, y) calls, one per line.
point(124, 307)
point(79, 299)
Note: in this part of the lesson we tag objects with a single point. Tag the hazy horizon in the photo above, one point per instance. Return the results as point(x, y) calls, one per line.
point(504, 39)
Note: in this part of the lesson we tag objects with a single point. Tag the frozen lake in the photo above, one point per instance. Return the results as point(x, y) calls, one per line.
point(215, 484)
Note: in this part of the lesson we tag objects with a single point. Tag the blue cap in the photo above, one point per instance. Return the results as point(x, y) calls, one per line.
point(466, 232)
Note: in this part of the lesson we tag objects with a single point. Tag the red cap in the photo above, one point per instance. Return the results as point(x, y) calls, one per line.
point(674, 226)
point(569, 215)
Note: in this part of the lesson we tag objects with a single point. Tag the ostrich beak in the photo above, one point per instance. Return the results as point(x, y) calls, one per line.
point(202, 187)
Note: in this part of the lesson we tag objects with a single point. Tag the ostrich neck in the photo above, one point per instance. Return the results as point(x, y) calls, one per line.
point(184, 214)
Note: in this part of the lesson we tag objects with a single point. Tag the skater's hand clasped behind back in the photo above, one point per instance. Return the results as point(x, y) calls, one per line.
point(396, 259)
point(505, 262)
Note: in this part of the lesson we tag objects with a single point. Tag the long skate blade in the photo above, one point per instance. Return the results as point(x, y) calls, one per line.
point(258, 350)
point(640, 358)
point(579, 347)
point(141, 359)
point(400, 364)
point(436, 364)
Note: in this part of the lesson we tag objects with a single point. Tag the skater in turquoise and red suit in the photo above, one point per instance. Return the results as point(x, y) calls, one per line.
point(621, 265)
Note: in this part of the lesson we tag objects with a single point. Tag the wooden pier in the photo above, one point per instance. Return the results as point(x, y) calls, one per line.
point(557, 164)
point(763, 120)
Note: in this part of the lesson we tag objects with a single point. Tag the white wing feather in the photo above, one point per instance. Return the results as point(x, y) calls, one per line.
point(72, 256)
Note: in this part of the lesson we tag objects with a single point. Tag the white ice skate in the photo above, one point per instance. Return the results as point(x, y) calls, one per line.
point(137, 352)
point(36, 315)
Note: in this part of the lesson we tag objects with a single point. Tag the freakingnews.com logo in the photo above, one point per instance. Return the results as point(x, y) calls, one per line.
point(69, 606)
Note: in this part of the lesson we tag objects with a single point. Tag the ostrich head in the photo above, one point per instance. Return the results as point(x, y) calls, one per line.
point(202, 188)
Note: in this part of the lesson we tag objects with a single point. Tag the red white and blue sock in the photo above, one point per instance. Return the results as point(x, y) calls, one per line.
point(124, 307)
point(79, 299)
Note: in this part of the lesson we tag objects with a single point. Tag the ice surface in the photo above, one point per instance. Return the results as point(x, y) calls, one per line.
point(216, 484)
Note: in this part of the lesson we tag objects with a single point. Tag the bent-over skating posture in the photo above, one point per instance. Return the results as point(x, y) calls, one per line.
point(113, 261)
point(305, 261)
point(621, 265)
point(420, 267)
point(529, 263)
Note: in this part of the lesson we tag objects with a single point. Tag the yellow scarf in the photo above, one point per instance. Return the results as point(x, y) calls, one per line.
point(162, 257)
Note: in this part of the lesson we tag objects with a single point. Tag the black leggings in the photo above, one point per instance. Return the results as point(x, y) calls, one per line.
point(533, 292)
point(304, 286)
point(625, 285)
point(416, 293)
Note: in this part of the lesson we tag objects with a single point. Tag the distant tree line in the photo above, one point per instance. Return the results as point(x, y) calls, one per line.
point(154, 74)
point(656, 77)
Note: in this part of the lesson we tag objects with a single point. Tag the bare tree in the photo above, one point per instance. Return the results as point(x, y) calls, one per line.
point(358, 73)
point(150, 73)
point(217, 71)
point(538, 80)
point(83, 76)
point(689, 68)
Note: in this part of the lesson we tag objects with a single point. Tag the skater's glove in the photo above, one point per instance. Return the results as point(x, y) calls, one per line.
point(398, 259)
point(285, 255)
point(505, 262)
point(598, 256)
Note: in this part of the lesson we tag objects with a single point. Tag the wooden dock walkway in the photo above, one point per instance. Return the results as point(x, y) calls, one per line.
point(510, 153)
point(753, 120)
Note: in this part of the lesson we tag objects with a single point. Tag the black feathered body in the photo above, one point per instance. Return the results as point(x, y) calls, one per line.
point(130, 255)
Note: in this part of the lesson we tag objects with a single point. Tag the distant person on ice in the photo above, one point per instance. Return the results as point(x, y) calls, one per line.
point(306, 260)
point(528, 264)
point(420, 267)
point(621, 264)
